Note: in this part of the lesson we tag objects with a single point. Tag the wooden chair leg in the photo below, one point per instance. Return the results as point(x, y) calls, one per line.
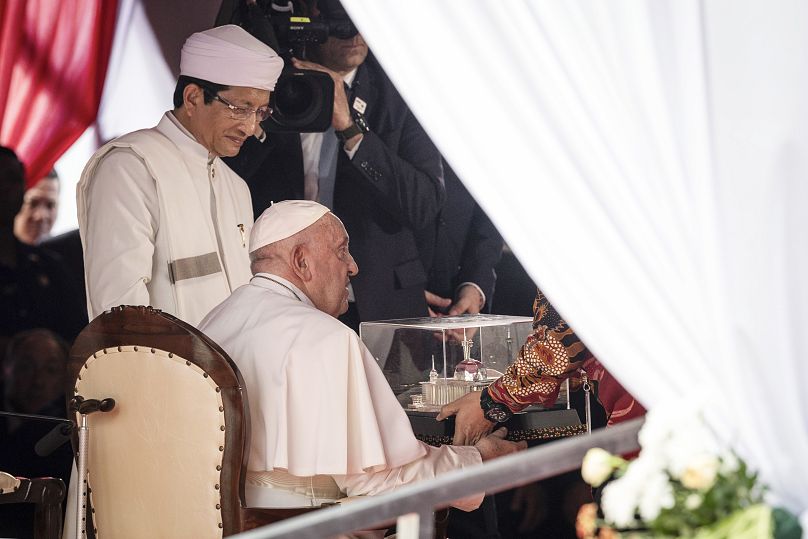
point(47, 495)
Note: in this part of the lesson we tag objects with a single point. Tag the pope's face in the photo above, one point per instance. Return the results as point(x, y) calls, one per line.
point(213, 124)
point(38, 212)
point(331, 266)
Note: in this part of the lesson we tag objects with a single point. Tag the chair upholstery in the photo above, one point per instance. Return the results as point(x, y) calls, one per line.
point(169, 460)
point(46, 493)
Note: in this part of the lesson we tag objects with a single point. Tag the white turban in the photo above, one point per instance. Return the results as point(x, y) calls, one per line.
point(283, 220)
point(229, 55)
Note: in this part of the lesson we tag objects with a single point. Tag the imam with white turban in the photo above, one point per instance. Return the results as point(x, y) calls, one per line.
point(162, 221)
point(324, 421)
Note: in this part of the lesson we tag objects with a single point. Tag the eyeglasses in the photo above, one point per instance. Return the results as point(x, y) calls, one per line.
point(242, 113)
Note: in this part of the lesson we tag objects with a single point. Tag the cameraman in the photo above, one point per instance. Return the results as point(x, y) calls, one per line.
point(374, 167)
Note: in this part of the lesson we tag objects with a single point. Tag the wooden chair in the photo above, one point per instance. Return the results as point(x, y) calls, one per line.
point(46, 493)
point(169, 460)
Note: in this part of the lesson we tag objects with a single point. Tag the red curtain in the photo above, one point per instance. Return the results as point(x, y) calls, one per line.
point(53, 60)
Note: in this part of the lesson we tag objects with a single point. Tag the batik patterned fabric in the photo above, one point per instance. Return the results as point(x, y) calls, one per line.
point(554, 353)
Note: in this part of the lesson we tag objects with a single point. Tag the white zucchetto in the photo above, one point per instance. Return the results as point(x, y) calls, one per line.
point(229, 55)
point(283, 220)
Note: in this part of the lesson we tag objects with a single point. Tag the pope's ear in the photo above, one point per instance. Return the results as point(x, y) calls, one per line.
point(193, 96)
point(299, 262)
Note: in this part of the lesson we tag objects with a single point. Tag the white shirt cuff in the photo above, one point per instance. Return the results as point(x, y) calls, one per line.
point(350, 153)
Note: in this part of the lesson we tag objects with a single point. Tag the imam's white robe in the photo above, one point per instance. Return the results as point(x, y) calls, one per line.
point(319, 403)
point(162, 223)
point(148, 199)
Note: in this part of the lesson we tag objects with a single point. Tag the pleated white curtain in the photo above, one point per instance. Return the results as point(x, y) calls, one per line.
point(648, 163)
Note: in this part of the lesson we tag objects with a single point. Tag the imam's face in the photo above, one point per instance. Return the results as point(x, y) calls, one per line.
point(214, 125)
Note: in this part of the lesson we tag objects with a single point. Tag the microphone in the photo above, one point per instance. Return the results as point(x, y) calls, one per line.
point(53, 440)
point(89, 406)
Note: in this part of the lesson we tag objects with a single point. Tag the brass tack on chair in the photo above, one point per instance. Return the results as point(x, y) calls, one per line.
point(188, 363)
point(221, 448)
point(171, 354)
point(222, 427)
point(105, 351)
point(153, 351)
point(135, 348)
point(218, 468)
point(205, 374)
point(120, 349)
point(218, 390)
point(216, 486)
point(221, 408)
point(218, 506)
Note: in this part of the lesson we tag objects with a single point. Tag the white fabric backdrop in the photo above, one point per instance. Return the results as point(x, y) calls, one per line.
point(647, 163)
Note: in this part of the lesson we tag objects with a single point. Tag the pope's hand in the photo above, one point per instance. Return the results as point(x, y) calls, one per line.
point(495, 445)
point(470, 423)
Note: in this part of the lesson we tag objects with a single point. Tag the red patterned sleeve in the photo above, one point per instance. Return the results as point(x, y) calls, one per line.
point(550, 355)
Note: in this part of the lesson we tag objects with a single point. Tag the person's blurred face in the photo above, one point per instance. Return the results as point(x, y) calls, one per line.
point(12, 187)
point(342, 55)
point(331, 266)
point(36, 376)
point(38, 213)
point(213, 124)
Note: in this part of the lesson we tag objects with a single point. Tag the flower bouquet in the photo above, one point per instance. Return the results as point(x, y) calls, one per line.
point(683, 484)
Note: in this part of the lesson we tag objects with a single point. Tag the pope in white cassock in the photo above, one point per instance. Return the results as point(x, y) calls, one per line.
point(163, 221)
point(324, 421)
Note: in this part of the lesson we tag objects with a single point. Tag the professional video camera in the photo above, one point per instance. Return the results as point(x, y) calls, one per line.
point(303, 100)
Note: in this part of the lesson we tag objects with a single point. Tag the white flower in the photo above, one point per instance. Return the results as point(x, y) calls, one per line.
point(729, 463)
point(690, 447)
point(622, 496)
point(619, 502)
point(656, 495)
point(693, 501)
point(597, 466)
point(701, 472)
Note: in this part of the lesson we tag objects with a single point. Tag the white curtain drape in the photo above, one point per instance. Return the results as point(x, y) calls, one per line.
point(647, 162)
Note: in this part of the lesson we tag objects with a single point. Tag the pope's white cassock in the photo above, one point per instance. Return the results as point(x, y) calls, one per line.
point(319, 404)
point(163, 223)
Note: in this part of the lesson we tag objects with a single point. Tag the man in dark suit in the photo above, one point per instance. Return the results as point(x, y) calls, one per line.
point(383, 178)
point(463, 250)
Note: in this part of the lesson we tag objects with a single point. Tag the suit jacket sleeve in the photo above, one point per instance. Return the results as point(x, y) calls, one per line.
point(406, 177)
point(481, 253)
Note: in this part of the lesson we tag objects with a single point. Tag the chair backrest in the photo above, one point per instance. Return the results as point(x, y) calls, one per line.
point(169, 460)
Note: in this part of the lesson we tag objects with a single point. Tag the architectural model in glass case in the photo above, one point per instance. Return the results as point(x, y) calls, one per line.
point(430, 362)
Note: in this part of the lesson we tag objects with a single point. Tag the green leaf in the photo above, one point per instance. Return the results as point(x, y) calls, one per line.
point(754, 522)
point(786, 525)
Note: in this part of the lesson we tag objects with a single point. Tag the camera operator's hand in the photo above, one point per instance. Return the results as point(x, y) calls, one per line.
point(342, 118)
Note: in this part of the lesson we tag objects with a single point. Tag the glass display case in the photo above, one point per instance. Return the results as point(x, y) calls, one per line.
point(429, 362)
